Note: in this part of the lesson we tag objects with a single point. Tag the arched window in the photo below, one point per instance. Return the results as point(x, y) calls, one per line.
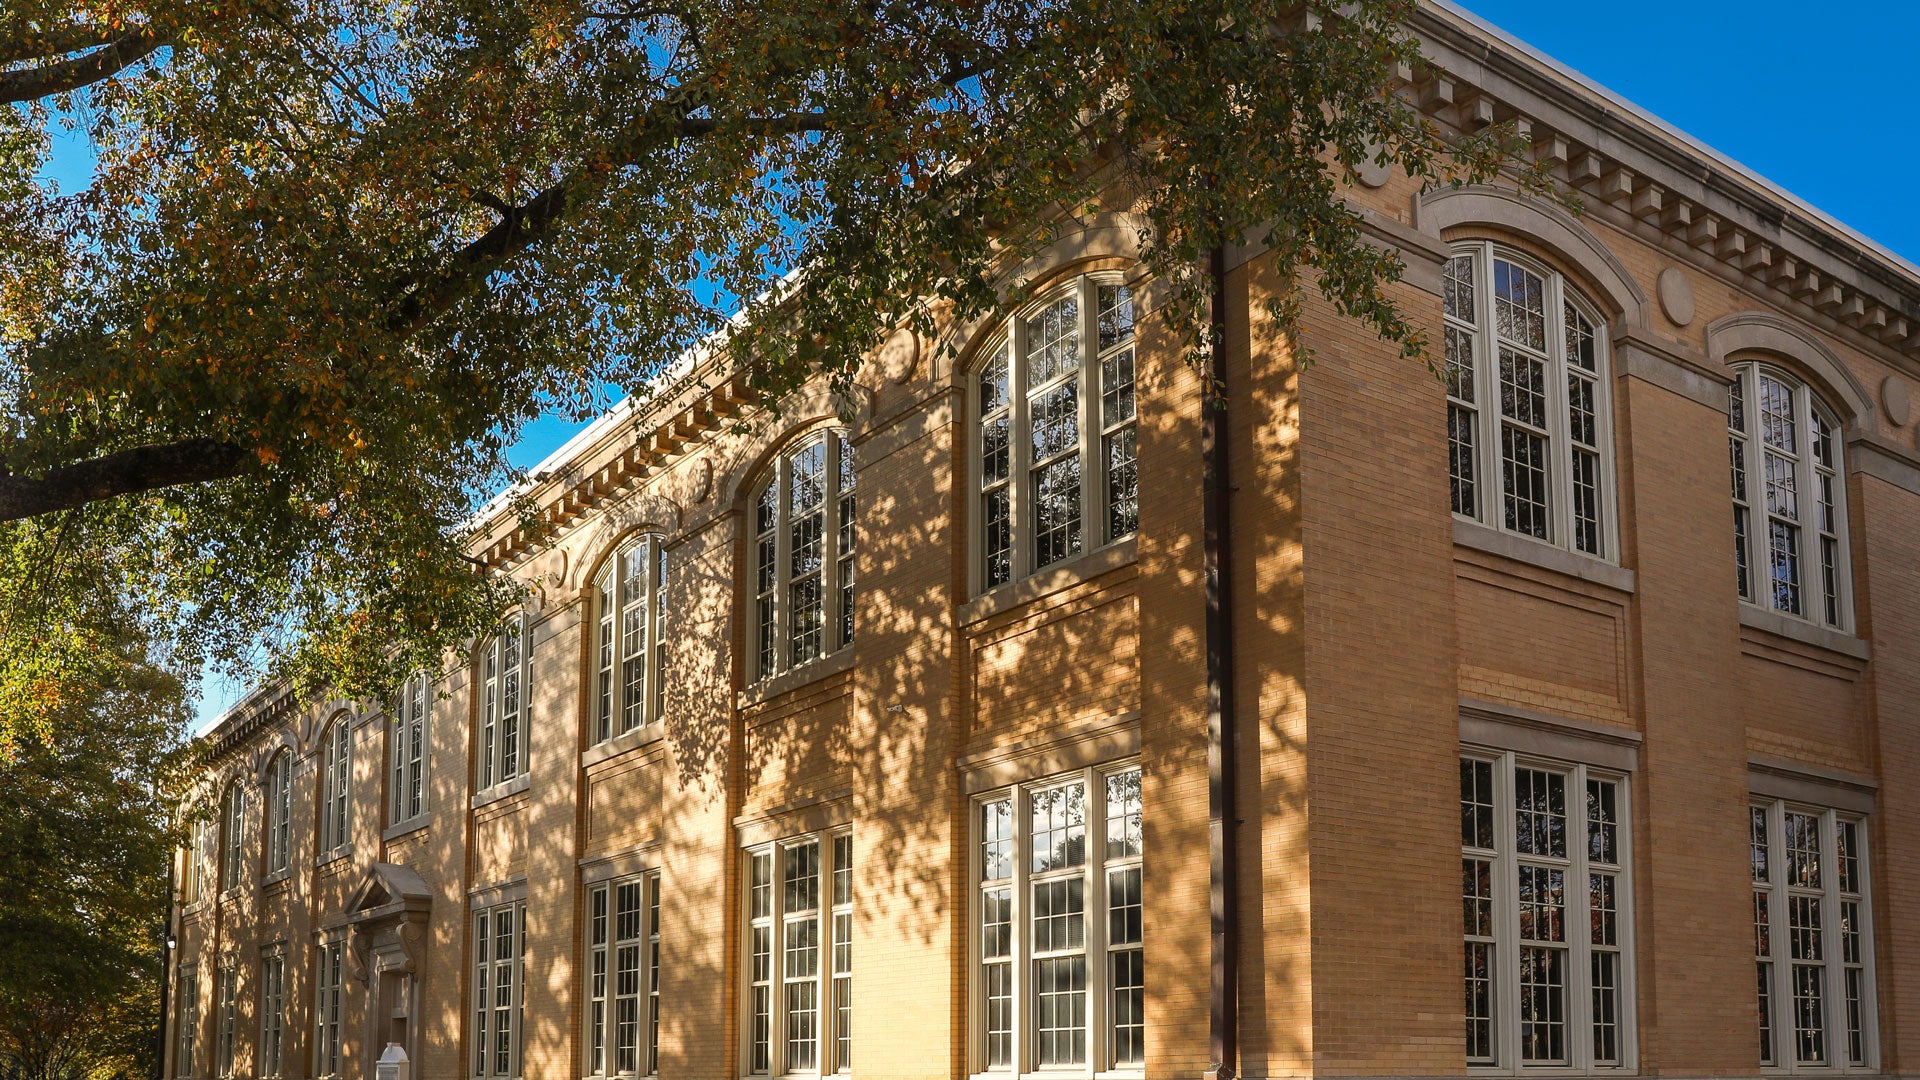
point(629, 612)
point(232, 831)
point(503, 728)
point(1789, 498)
point(279, 811)
point(336, 783)
point(803, 555)
point(1054, 457)
point(1529, 416)
point(407, 747)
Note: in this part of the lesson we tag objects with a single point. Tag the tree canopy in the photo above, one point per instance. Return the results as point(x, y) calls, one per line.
point(335, 253)
point(86, 822)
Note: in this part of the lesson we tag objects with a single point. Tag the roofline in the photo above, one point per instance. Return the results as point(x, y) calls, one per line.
point(1767, 187)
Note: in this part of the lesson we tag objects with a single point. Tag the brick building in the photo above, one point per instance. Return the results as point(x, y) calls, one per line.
point(881, 746)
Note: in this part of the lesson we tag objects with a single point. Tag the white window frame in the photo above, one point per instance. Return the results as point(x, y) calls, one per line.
point(1506, 908)
point(506, 678)
point(279, 812)
point(336, 787)
point(770, 617)
point(827, 1046)
point(1095, 428)
point(273, 1012)
point(489, 1012)
point(407, 735)
point(1748, 453)
point(628, 637)
point(1774, 886)
point(1482, 332)
point(603, 997)
point(186, 1023)
point(1099, 866)
point(195, 858)
point(226, 1006)
point(233, 826)
point(329, 982)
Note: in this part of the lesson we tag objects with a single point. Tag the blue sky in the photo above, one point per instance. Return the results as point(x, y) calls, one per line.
point(1816, 99)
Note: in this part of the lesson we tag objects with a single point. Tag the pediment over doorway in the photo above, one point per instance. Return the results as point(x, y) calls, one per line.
point(389, 889)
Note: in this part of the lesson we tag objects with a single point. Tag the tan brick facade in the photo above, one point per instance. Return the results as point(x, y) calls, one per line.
point(1375, 634)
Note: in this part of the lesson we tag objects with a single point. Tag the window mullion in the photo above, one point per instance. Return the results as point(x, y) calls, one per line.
point(1020, 458)
point(1559, 425)
point(777, 966)
point(1022, 933)
point(830, 613)
point(825, 1016)
point(1093, 469)
point(1099, 975)
point(1488, 415)
point(1834, 999)
point(782, 564)
point(1579, 942)
point(1507, 926)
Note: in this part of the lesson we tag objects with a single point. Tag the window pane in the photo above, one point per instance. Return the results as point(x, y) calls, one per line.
point(1519, 305)
point(1060, 1006)
point(1462, 460)
point(1059, 827)
point(1543, 1005)
point(1126, 1008)
point(1053, 341)
point(1123, 814)
point(1540, 804)
point(1056, 494)
point(1523, 465)
point(1458, 295)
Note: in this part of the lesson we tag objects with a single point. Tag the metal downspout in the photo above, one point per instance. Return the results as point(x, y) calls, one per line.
point(1224, 998)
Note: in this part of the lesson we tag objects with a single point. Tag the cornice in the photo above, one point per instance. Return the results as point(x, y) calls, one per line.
point(1649, 180)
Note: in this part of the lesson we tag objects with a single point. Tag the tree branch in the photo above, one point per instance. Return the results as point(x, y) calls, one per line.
point(522, 226)
point(59, 77)
point(32, 45)
point(128, 472)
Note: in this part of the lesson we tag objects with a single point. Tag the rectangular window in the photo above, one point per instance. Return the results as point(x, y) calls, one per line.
point(226, 1018)
point(623, 990)
point(1117, 411)
point(273, 1013)
point(1058, 944)
point(800, 955)
point(233, 830)
point(499, 942)
point(186, 1020)
point(1812, 939)
point(1546, 906)
point(329, 977)
point(506, 671)
point(279, 812)
point(407, 749)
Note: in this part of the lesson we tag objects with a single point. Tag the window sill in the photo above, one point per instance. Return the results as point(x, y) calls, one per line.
point(333, 855)
point(1051, 580)
point(788, 681)
point(194, 910)
point(1806, 633)
point(502, 790)
point(279, 880)
point(1472, 534)
point(620, 744)
point(402, 828)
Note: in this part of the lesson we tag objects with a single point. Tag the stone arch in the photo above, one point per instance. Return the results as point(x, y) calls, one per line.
point(801, 414)
point(1606, 279)
point(645, 512)
point(1746, 333)
point(1106, 238)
